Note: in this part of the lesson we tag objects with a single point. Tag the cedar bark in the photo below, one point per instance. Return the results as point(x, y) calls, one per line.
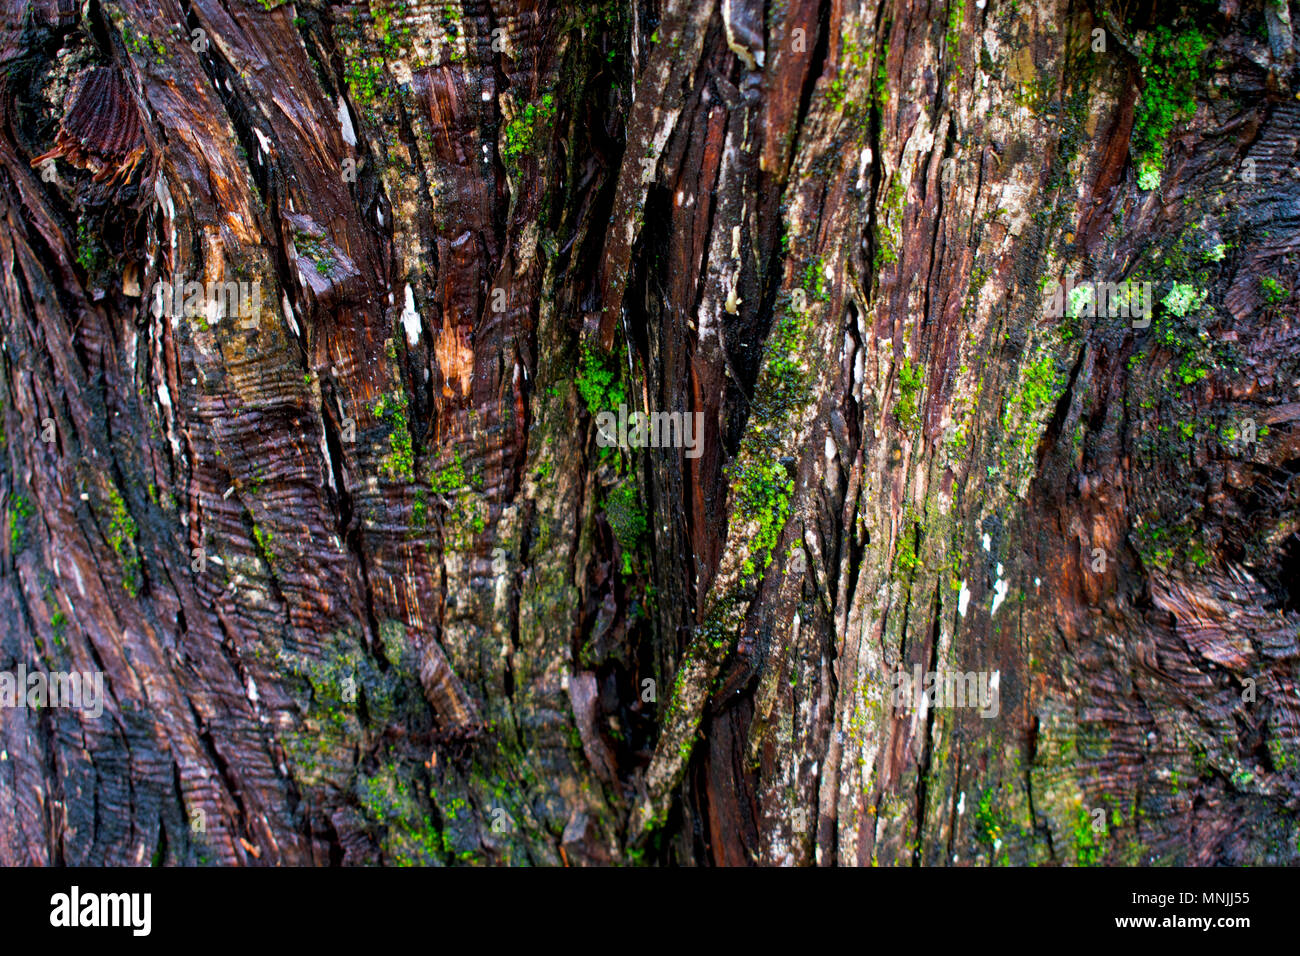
point(364, 586)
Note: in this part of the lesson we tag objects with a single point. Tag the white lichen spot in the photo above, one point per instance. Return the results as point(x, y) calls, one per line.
point(345, 123)
point(1000, 590)
point(864, 162)
point(411, 318)
point(988, 542)
point(963, 599)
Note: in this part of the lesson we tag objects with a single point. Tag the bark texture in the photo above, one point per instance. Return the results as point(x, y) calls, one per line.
point(364, 585)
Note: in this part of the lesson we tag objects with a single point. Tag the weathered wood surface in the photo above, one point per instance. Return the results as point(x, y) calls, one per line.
point(364, 587)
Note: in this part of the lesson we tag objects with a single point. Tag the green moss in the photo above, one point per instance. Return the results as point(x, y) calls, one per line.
point(466, 515)
point(121, 536)
point(990, 823)
point(880, 86)
point(952, 38)
point(762, 492)
point(144, 46)
point(449, 479)
point(599, 381)
point(835, 91)
point(58, 624)
point(910, 378)
point(1039, 387)
point(392, 803)
point(1170, 64)
point(1190, 369)
point(419, 511)
point(889, 228)
point(263, 538)
point(523, 130)
point(314, 250)
point(330, 678)
point(626, 519)
point(1088, 846)
point(908, 560)
point(399, 463)
point(366, 79)
point(384, 16)
point(19, 512)
point(1165, 544)
point(814, 280)
point(786, 379)
point(1273, 290)
point(90, 256)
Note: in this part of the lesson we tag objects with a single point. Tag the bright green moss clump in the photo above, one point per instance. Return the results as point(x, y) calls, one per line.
point(1170, 73)
point(599, 383)
point(1273, 290)
point(762, 493)
point(399, 463)
point(1088, 845)
point(522, 130)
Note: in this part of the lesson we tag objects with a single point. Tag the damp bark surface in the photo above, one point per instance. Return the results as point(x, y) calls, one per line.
point(315, 318)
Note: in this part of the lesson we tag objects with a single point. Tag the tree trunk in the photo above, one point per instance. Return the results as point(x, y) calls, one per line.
point(365, 583)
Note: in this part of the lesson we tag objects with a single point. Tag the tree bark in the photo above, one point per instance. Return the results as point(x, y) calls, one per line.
point(363, 581)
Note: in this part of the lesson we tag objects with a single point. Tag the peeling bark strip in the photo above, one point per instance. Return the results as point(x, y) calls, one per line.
point(363, 582)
